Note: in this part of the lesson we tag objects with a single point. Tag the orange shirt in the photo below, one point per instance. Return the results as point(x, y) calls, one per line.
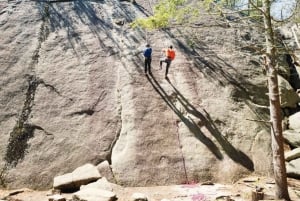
point(170, 53)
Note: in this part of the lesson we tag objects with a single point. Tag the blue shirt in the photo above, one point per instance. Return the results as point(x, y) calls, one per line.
point(147, 52)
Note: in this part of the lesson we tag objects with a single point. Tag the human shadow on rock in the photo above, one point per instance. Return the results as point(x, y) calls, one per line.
point(206, 121)
point(193, 127)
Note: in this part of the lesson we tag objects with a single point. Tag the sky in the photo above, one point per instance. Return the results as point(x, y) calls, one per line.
point(280, 9)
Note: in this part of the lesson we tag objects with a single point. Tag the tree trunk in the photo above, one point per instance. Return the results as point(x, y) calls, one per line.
point(275, 110)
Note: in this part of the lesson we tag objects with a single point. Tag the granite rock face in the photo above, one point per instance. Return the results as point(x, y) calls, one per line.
point(73, 91)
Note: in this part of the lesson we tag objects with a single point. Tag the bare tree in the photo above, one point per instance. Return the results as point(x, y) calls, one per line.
point(275, 110)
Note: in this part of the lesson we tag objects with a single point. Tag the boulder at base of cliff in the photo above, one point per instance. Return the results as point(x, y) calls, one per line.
point(105, 171)
point(139, 197)
point(294, 121)
point(293, 168)
point(292, 137)
point(99, 184)
point(93, 194)
point(80, 176)
point(288, 96)
point(292, 155)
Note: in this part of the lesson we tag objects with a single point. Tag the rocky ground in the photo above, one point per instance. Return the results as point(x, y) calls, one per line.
point(240, 191)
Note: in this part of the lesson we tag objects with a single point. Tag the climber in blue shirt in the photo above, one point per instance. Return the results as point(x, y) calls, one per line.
point(147, 54)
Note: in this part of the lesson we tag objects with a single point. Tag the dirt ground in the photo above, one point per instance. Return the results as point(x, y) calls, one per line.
point(239, 191)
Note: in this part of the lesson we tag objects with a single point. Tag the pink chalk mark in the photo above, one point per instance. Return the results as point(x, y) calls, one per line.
point(190, 185)
point(198, 197)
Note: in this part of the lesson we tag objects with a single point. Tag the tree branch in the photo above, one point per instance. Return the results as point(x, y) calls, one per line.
point(256, 7)
point(259, 120)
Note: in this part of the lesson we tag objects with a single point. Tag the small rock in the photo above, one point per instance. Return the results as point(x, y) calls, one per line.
point(105, 171)
point(250, 179)
point(120, 22)
point(15, 192)
point(53, 192)
point(57, 197)
point(139, 197)
point(207, 183)
point(91, 194)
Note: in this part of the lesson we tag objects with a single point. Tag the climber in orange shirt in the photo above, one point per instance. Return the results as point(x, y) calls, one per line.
point(169, 57)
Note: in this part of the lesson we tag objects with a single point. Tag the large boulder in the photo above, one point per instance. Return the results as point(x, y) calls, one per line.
point(294, 121)
point(99, 184)
point(80, 176)
point(293, 168)
point(293, 154)
point(93, 194)
point(288, 96)
point(292, 137)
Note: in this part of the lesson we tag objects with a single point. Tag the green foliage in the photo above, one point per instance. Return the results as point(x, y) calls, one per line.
point(168, 12)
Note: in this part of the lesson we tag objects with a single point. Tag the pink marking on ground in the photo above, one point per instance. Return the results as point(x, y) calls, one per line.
point(190, 185)
point(198, 197)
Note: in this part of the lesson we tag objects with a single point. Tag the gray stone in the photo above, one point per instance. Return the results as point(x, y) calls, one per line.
point(56, 198)
point(293, 168)
point(120, 22)
point(92, 194)
point(288, 96)
point(293, 154)
point(99, 184)
point(106, 171)
point(139, 197)
point(63, 181)
point(80, 176)
point(294, 121)
point(292, 137)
